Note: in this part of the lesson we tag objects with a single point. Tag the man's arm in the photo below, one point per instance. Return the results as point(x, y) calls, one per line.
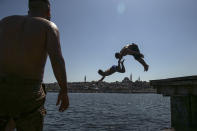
point(0, 26)
point(144, 64)
point(58, 65)
point(121, 69)
point(119, 61)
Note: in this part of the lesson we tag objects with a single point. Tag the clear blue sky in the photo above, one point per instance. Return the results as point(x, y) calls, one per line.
point(92, 31)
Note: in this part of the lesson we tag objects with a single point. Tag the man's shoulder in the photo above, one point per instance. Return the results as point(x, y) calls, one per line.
point(12, 17)
point(32, 19)
point(11, 20)
point(49, 24)
point(43, 21)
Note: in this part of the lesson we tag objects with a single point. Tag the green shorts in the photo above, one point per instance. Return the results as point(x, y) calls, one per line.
point(24, 104)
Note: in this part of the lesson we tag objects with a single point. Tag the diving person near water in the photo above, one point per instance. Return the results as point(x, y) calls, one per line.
point(132, 49)
point(25, 43)
point(115, 68)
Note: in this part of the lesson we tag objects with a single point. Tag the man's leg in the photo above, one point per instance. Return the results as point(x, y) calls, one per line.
point(141, 61)
point(32, 118)
point(31, 122)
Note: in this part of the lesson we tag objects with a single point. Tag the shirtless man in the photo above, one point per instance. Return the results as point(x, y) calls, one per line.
point(120, 68)
point(132, 49)
point(25, 43)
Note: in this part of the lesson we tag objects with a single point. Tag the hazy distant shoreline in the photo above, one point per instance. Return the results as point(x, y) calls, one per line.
point(133, 92)
point(104, 87)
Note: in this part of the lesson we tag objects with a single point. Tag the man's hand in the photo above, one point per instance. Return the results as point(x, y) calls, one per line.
point(122, 61)
point(62, 100)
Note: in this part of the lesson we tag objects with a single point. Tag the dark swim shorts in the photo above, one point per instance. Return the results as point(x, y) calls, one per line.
point(134, 47)
point(24, 103)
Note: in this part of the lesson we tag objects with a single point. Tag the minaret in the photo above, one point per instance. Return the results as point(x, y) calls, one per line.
point(85, 79)
point(131, 77)
point(139, 79)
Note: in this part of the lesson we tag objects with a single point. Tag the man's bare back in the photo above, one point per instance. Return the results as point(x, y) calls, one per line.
point(23, 45)
point(25, 42)
point(23, 49)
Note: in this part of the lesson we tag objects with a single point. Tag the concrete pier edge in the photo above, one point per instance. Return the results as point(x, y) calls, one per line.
point(183, 97)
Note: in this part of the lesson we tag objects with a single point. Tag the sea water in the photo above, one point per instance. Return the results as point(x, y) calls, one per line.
point(109, 112)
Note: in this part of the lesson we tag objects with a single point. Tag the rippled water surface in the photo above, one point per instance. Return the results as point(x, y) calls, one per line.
point(109, 112)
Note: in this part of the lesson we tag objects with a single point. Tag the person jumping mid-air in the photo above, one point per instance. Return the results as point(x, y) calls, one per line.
point(115, 68)
point(132, 49)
